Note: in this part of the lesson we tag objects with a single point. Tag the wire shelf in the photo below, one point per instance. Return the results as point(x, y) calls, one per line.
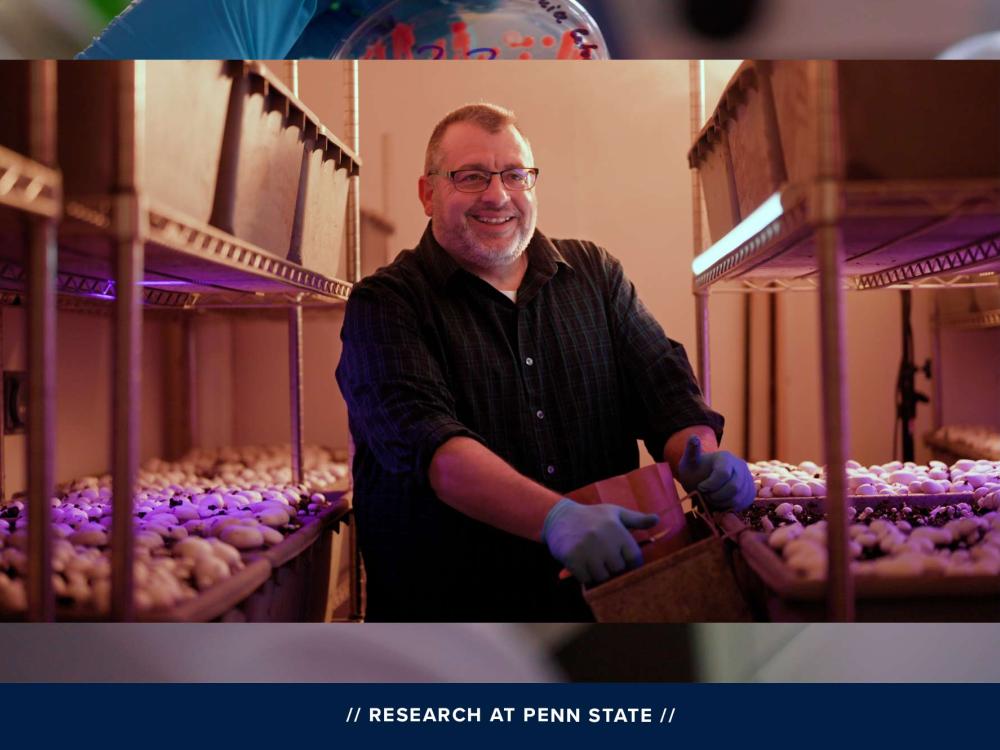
point(895, 234)
point(26, 185)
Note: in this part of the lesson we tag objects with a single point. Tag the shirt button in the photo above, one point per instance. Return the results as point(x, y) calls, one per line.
point(529, 361)
point(551, 469)
point(540, 414)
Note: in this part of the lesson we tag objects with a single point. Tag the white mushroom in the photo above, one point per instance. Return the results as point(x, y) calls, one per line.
point(784, 534)
point(226, 552)
point(902, 477)
point(90, 534)
point(148, 539)
point(778, 489)
point(208, 570)
point(907, 564)
point(242, 537)
point(193, 546)
point(932, 487)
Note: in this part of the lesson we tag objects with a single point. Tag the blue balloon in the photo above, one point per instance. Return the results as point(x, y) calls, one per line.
point(205, 29)
point(279, 29)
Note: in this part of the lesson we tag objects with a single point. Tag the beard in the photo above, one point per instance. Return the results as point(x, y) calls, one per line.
point(485, 253)
point(482, 255)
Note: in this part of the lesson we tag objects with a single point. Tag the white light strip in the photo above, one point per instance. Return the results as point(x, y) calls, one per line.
point(768, 211)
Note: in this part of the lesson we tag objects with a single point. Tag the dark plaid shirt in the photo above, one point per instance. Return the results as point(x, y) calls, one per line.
point(560, 384)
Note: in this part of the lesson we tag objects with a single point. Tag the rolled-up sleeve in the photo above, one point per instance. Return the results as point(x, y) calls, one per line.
point(398, 401)
point(663, 389)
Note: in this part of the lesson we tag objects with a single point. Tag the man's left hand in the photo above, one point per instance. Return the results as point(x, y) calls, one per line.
point(724, 480)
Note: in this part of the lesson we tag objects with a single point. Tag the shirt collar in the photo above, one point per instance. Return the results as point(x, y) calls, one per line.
point(544, 258)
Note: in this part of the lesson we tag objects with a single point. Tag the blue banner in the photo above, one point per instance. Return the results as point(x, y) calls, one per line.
point(657, 715)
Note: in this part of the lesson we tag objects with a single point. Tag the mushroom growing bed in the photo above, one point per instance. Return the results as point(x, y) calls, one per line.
point(776, 479)
point(210, 525)
point(914, 554)
point(889, 539)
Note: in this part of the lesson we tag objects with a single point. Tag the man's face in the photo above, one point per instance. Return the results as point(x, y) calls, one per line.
point(489, 229)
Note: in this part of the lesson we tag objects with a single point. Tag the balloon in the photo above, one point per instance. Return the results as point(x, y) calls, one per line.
point(477, 30)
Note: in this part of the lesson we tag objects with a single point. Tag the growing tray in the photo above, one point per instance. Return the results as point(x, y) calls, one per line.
point(782, 593)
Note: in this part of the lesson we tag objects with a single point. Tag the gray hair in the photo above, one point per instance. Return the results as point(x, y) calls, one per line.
point(490, 117)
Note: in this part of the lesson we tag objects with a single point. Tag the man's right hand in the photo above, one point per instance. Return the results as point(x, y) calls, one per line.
point(593, 541)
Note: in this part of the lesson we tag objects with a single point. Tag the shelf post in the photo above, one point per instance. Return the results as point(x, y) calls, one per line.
point(41, 353)
point(834, 395)
point(129, 227)
point(295, 361)
point(937, 383)
point(296, 389)
point(295, 352)
point(840, 584)
point(353, 118)
point(354, 271)
point(703, 356)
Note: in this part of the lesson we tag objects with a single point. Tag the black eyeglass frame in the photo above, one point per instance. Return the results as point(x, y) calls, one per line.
point(533, 171)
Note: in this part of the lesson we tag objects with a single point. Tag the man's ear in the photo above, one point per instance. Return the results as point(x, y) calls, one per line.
point(425, 188)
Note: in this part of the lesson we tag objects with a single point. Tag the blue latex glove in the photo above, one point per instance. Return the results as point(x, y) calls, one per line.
point(723, 479)
point(593, 541)
point(205, 29)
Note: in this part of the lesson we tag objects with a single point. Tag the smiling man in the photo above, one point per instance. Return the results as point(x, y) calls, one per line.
point(489, 371)
point(484, 223)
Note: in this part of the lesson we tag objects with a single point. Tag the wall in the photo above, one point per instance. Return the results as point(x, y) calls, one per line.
point(874, 348)
point(970, 373)
point(251, 381)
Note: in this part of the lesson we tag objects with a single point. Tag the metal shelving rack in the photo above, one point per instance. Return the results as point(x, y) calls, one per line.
point(784, 247)
point(833, 233)
point(207, 263)
point(113, 252)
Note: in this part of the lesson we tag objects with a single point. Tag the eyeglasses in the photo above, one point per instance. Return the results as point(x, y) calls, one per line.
point(478, 180)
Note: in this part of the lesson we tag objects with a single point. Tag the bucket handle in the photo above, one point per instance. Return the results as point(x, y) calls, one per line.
point(700, 509)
